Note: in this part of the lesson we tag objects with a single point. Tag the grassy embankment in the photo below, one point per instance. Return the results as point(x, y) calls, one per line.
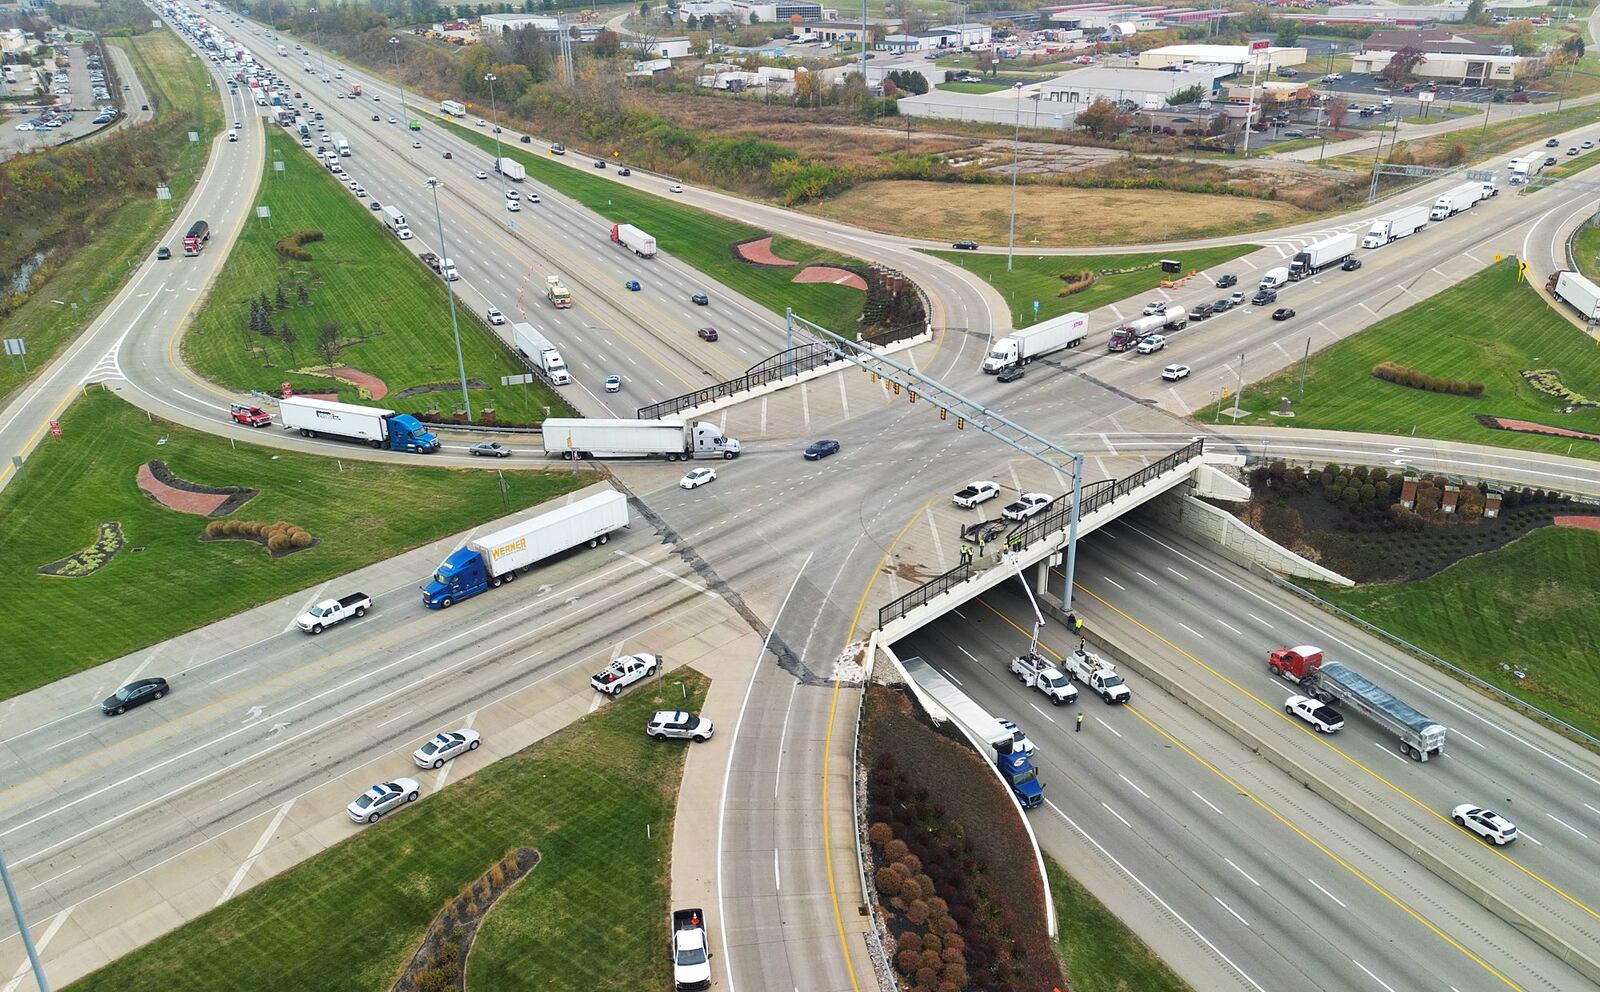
point(359, 512)
point(124, 230)
point(387, 313)
point(591, 916)
point(1489, 329)
point(1038, 277)
point(696, 237)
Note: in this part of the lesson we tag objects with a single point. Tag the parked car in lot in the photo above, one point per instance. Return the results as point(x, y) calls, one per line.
point(623, 672)
point(382, 798)
point(134, 694)
point(445, 746)
point(1151, 344)
point(679, 724)
point(1025, 506)
point(1320, 715)
point(1283, 313)
point(1486, 823)
point(821, 449)
point(698, 477)
point(1172, 373)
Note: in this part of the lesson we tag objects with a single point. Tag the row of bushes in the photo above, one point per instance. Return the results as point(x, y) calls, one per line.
point(1076, 282)
point(1400, 375)
point(1548, 381)
point(292, 246)
point(279, 536)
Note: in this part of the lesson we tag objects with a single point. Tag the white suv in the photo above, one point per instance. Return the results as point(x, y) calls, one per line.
point(1486, 823)
point(669, 723)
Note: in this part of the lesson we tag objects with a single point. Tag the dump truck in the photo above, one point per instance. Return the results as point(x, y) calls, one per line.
point(492, 560)
point(1420, 738)
point(559, 296)
point(1030, 343)
point(634, 240)
point(674, 440)
point(376, 427)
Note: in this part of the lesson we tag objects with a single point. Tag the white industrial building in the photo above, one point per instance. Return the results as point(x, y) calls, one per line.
point(1238, 57)
point(766, 13)
point(1467, 70)
point(1449, 12)
point(501, 23)
point(1141, 87)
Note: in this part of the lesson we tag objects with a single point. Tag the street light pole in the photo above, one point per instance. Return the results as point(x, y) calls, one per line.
point(1016, 150)
point(394, 46)
point(22, 928)
point(494, 116)
point(433, 184)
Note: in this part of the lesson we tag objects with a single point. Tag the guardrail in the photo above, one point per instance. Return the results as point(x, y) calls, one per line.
point(898, 608)
point(1097, 495)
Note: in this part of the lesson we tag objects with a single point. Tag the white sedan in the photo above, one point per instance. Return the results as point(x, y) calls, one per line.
point(625, 671)
point(445, 746)
point(1486, 823)
point(1172, 373)
point(698, 477)
point(482, 122)
point(1026, 506)
point(675, 188)
point(382, 798)
point(482, 174)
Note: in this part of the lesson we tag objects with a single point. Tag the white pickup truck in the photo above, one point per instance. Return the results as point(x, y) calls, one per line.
point(331, 611)
point(1032, 670)
point(691, 951)
point(1099, 675)
point(975, 493)
point(623, 672)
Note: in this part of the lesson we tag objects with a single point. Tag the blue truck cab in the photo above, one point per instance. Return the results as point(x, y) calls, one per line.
point(406, 433)
point(462, 574)
point(1022, 777)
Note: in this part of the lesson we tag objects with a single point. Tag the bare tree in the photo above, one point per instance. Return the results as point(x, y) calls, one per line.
point(642, 39)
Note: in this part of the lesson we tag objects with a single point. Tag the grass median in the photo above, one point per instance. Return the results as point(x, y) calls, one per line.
point(359, 513)
point(1041, 277)
point(1489, 329)
point(355, 299)
point(591, 916)
point(123, 230)
point(1527, 606)
point(1098, 951)
point(696, 237)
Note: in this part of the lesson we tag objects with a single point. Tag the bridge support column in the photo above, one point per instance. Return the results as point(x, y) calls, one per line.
point(1041, 576)
point(1069, 554)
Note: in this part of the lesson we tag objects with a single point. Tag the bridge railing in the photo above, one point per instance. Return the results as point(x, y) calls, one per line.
point(923, 593)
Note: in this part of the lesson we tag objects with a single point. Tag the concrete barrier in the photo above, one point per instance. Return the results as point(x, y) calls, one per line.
point(1234, 539)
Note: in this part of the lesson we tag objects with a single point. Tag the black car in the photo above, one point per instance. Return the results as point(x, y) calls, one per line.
point(1351, 264)
point(700, 300)
point(1553, 143)
point(624, 171)
point(1200, 311)
point(1227, 279)
point(1222, 305)
point(1011, 373)
point(599, 163)
point(1264, 297)
point(1550, 160)
point(133, 694)
point(966, 245)
point(525, 139)
point(821, 449)
point(163, 253)
point(1283, 313)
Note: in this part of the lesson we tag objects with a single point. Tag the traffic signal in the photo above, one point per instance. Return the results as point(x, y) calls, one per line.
point(897, 389)
point(961, 423)
point(913, 393)
point(943, 413)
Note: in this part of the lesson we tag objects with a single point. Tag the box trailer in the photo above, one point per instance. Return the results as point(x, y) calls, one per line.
point(1420, 738)
point(1400, 224)
point(489, 561)
point(1319, 255)
point(341, 144)
point(376, 427)
point(540, 351)
point(511, 169)
point(1029, 343)
point(634, 240)
point(1456, 200)
point(573, 438)
point(395, 220)
point(1573, 289)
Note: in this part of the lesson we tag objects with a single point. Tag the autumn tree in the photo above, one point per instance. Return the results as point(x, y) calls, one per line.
point(606, 44)
point(1337, 109)
point(1402, 64)
point(1103, 120)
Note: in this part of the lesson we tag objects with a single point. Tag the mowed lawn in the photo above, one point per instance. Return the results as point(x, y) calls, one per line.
point(124, 236)
point(1529, 605)
point(1038, 277)
point(590, 917)
point(359, 512)
point(1098, 951)
point(1489, 328)
point(700, 239)
point(389, 311)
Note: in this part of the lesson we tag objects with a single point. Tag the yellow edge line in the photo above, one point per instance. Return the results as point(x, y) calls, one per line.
point(1264, 807)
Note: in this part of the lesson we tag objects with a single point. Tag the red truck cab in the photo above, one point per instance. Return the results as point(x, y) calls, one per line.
point(250, 416)
point(1298, 664)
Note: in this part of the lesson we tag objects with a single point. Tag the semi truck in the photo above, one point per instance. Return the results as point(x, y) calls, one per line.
point(355, 89)
point(1031, 343)
point(691, 951)
point(541, 351)
point(634, 240)
point(341, 144)
point(489, 561)
point(1420, 738)
point(673, 440)
point(1573, 289)
point(511, 169)
point(1319, 255)
point(1526, 171)
point(376, 427)
point(1456, 200)
point(1134, 331)
point(556, 292)
point(395, 220)
point(197, 237)
point(1016, 767)
point(1400, 224)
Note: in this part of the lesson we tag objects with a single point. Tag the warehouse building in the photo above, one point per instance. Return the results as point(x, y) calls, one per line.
point(1139, 87)
point(1238, 57)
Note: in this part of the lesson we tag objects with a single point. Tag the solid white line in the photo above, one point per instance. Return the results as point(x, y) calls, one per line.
point(783, 735)
point(1457, 731)
point(1191, 630)
point(1134, 786)
point(1569, 826)
point(727, 771)
point(1241, 871)
point(39, 946)
point(1206, 801)
point(1370, 975)
point(1235, 915)
point(777, 880)
point(1152, 893)
point(951, 677)
point(1325, 892)
point(676, 578)
point(1042, 713)
point(255, 852)
point(1106, 725)
point(52, 878)
point(1118, 816)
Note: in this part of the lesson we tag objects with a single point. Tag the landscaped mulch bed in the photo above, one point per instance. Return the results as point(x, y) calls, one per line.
point(184, 496)
point(440, 960)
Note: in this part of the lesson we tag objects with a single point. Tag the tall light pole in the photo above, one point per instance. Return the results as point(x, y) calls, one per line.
point(494, 116)
point(22, 928)
point(433, 184)
point(394, 46)
point(1016, 151)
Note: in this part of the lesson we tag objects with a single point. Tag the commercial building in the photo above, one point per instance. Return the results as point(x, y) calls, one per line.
point(1139, 87)
point(1448, 12)
point(902, 44)
point(1465, 70)
point(501, 23)
point(1238, 57)
point(767, 13)
point(1096, 19)
point(1435, 41)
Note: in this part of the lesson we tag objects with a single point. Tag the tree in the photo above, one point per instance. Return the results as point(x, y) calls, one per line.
point(644, 10)
point(1193, 94)
point(1520, 35)
point(1288, 33)
point(475, 63)
point(699, 43)
point(511, 80)
point(986, 62)
point(755, 18)
point(1476, 14)
point(1102, 119)
point(1337, 109)
point(1573, 46)
point(642, 43)
point(328, 340)
point(1403, 63)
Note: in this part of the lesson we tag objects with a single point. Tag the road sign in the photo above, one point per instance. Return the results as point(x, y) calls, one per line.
point(1522, 268)
point(1260, 45)
point(516, 380)
point(1426, 96)
point(15, 346)
point(1036, 308)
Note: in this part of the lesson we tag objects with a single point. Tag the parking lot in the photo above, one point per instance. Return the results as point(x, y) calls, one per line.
point(70, 107)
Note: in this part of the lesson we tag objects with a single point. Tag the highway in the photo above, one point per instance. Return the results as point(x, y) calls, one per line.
point(777, 541)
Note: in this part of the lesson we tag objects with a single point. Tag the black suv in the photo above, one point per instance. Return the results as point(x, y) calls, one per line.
point(1200, 311)
point(1227, 279)
point(1264, 297)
